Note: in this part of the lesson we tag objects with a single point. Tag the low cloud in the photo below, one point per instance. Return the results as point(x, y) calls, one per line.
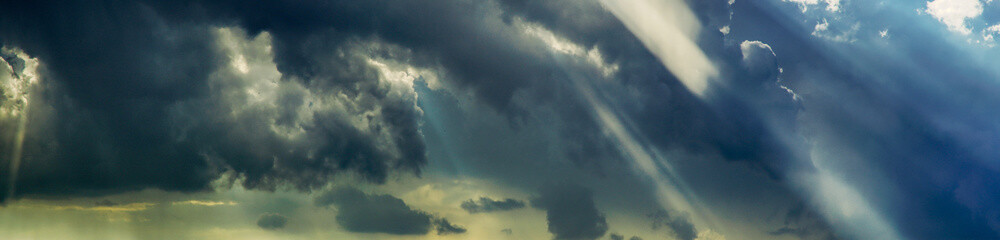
point(444, 227)
point(375, 213)
point(571, 213)
point(804, 223)
point(272, 221)
point(485, 204)
point(615, 236)
point(678, 223)
point(105, 203)
point(101, 206)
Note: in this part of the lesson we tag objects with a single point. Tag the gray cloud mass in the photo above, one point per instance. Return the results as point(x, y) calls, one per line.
point(485, 204)
point(272, 221)
point(679, 224)
point(375, 213)
point(570, 212)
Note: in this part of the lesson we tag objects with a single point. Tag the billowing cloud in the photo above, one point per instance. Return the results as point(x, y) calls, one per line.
point(810, 107)
point(485, 204)
point(183, 120)
point(954, 13)
point(570, 212)
point(272, 221)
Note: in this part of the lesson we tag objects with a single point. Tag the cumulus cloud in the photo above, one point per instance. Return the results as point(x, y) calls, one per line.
point(314, 100)
point(272, 221)
point(759, 57)
point(570, 212)
point(954, 13)
point(318, 89)
point(177, 112)
point(485, 204)
point(375, 213)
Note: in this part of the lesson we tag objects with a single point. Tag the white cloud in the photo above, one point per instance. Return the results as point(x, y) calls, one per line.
point(953, 13)
point(831, 5)
point(564, 46)
point(837, 34)
point(747, 47)
point(821, 26)
point(994, 29)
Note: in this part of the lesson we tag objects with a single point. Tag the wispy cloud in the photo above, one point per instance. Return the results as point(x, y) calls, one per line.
point(205, 203)
point(128, 207)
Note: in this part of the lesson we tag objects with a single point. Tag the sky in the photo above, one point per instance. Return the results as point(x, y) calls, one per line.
point(500, 119)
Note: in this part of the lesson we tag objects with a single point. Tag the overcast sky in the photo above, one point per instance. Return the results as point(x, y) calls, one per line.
point(500, 119)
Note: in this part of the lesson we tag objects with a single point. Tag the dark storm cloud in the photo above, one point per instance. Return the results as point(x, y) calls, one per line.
point(130, 103)
point(679, 224)
point(485, 204)
point(670, 116)
point(272, 221)
point(98, 122)
point(134, 63)
point(374, 213)
point(444, 227)
point(137, 83)
point(570, 212)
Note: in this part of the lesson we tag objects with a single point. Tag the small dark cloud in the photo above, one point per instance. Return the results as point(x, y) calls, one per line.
point(272, 221)
point(375, 213)
point(485, 204)
point(570, 212)
point(105, 203)
point(804, 223)
point(444, 227)
point(615, 236)
point(678, 223)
